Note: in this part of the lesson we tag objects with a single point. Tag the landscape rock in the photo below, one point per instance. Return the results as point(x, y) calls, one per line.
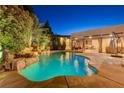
point(1, 68)
point(14, 65)
point(7, 66)
point(30, 61)
point(21, 64)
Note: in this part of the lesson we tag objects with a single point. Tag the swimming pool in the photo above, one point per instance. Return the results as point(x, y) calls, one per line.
point(58, 64)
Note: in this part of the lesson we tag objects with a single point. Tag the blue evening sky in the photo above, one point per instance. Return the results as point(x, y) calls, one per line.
point(67, 19)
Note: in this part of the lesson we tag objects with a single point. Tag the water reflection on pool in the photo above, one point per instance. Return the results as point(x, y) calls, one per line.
point(58, 64)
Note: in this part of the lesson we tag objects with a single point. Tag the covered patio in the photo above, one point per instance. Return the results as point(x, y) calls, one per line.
point(102, 40)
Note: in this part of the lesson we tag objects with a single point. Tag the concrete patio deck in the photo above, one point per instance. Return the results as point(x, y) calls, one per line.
point(110, 75)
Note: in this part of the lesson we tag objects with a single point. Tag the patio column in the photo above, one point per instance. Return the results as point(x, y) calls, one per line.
point(72, 41)
point(100, 44)
point(83, 45)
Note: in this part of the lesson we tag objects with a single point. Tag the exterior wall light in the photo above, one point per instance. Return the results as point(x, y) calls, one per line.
point(76, 38)
point(110, 35)
point(90, 37)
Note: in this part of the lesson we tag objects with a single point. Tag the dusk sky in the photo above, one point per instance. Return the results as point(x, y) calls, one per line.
point(65, 20)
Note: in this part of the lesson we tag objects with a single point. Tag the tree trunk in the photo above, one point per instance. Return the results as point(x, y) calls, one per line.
point(6, 60)
point(29, 38)
point(1, 54)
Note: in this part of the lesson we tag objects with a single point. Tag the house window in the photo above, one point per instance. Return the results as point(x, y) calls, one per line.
point(89, 42)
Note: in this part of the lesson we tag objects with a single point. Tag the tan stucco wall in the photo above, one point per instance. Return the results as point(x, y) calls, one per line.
point(105, 43)
point(95, 43)
point(68, 44)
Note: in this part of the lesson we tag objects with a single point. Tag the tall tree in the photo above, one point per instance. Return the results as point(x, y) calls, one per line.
point(18, 24)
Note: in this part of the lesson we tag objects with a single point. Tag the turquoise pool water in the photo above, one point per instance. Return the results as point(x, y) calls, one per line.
point(58, 64)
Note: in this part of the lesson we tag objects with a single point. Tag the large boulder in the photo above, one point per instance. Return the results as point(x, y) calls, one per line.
point(21, 64)
point(25, 62)
point(7, 66)
point(1, 68)
point(30, 61)
point(8, 60)
point(18, 63)
point(14, 65)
